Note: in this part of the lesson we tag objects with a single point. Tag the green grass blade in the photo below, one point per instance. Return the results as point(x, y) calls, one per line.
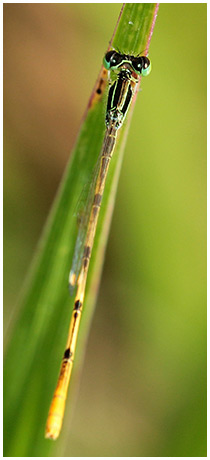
point(37, 341)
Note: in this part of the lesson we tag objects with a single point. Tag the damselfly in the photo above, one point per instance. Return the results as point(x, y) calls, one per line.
point(128, 70)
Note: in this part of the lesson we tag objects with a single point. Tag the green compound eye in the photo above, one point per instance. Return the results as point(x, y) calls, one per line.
point(107, 58)
point(112, 60)
point(147, 68)
point(142, 65)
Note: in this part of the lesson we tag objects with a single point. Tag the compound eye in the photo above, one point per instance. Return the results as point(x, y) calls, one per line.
point(107, 59)
point(147, 66)
point(142, 65)
point(112, 60)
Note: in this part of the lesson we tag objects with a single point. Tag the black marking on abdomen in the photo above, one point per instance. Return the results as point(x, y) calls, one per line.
point(77, 305)
point(67, 354)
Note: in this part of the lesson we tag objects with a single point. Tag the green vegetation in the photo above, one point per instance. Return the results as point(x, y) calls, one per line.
point(142, 389)
point(39, 334)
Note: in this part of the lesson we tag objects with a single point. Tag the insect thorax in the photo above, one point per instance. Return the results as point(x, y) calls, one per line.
point(119, 98)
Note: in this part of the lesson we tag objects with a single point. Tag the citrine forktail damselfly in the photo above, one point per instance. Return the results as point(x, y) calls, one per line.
point(128, 70)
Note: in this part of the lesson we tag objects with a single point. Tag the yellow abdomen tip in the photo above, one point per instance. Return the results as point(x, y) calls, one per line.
point(53, 427)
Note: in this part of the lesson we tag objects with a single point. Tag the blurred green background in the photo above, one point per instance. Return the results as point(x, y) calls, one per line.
point(143, 386)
